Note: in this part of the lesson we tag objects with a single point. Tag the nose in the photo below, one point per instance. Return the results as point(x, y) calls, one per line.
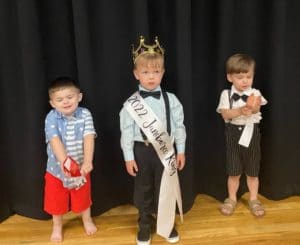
point(65, 101)
point(151, 75)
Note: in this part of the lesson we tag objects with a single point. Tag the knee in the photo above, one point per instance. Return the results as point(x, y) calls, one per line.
point(252, 178)
point(234, 178)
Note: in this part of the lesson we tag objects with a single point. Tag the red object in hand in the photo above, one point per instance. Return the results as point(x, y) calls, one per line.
point(71, 167)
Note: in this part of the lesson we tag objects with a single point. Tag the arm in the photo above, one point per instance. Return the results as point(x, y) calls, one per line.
point(180, 132)
point(59, 151)
point(228, 114)
point(177, 116)
point(127, 141)
point(88, 154)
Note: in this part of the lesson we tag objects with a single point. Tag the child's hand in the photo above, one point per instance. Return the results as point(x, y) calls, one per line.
point(180, 161)
point(131, 167)
point(86, 168)
point(246, 111)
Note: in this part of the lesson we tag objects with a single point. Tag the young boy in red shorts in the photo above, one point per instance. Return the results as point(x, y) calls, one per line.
point(70, 138)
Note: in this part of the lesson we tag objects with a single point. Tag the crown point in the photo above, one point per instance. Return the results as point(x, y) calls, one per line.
point(144, 48)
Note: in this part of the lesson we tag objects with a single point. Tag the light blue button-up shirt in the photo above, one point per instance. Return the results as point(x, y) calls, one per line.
point(71, 131)
point(130, 131)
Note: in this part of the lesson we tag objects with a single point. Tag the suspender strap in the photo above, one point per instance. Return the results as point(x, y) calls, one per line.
point(167, 105)
point(230, 99)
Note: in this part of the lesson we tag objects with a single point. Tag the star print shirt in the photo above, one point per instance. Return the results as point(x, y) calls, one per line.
point(71, 131)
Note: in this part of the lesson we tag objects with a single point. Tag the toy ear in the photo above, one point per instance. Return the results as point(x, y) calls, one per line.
point(253, 101)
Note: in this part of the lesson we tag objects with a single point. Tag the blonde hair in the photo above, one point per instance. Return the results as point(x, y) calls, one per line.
point(238, 63)
point(150, 60)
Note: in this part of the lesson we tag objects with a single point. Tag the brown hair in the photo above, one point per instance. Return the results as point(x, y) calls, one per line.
point(60, 83)
point(238, 63)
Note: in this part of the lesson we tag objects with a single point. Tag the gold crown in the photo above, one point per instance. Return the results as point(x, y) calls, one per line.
point(144, 48)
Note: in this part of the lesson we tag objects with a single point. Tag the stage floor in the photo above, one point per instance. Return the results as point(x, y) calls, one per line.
point(203, 225)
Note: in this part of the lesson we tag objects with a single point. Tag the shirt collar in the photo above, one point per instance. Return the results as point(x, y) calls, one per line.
point(158, 88)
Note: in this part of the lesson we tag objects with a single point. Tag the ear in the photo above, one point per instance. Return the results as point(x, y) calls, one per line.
point(229, 77)
point(51, 103)
point(80, 97)
point(136, 75)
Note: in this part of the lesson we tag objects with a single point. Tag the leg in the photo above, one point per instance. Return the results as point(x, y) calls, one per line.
point(56, 235)
point(56, 202)
point(253, 183)
point(81, 203)
point(144, 191)
point(254, 204)
point(233, 184)
point(234, 167)
point(88, 223)
point(227, 208)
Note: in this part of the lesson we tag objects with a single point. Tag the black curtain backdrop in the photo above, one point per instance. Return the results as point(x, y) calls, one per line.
point(91, 41)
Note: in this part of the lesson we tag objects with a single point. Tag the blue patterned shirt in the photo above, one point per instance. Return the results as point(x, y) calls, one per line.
point(71, 131)
point(130, 131)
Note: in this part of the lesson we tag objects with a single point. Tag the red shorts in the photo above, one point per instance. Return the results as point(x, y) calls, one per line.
point(58, 200)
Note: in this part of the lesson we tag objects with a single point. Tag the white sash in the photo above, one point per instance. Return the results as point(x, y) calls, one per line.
point(246, 135)
point(157, 135)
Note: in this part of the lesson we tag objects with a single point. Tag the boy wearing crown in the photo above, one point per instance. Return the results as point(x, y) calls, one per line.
point(151, 121)
point(240, 109)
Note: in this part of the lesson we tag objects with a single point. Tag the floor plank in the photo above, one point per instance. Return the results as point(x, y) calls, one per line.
point(203, 224)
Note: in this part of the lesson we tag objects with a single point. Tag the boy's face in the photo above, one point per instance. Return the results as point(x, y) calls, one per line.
point(241, 81)
point(149, 76)
point(66, 100)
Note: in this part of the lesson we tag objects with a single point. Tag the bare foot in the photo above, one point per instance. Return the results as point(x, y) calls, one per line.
point(56, 235)
point(89, 226)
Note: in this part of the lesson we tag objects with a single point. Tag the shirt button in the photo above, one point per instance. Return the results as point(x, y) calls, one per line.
point(240, 128)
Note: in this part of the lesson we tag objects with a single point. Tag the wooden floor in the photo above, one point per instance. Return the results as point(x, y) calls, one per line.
point(203, 224)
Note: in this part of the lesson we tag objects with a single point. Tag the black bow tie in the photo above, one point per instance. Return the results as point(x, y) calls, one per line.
point(236, 97)
point(155, 94)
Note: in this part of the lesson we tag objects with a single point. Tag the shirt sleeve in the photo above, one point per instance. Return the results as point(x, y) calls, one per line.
point(127, 134)
point(88, 123)
point(51, 127)
point(224, 101)
point(177, 116)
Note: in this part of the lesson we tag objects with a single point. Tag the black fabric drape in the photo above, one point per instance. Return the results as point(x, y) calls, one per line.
point(91, 41)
